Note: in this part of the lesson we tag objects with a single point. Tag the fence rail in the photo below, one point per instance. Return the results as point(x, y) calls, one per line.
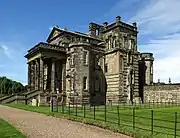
point(150, 121)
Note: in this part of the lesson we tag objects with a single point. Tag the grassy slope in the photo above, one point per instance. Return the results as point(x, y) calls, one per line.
point(8, 131)
point(163, 119)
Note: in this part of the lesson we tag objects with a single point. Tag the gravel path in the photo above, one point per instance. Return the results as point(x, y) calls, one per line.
point(36, 125)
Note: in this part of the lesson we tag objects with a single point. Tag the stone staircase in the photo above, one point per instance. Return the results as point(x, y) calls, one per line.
point(23, 98)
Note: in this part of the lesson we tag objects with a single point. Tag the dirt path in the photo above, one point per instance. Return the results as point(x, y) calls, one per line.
point(36, 125)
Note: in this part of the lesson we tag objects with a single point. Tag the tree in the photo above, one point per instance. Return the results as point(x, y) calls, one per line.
point(8, 86)
point(10, 91)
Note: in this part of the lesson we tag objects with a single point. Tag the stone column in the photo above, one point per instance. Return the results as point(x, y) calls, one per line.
point(63, 80)
point(32, 76)
point(36, 74)
point(29, 76)
point(104, 63)
point(41, 76)
point(53, 77)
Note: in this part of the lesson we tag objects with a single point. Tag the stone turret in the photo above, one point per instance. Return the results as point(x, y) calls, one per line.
point(148, 58)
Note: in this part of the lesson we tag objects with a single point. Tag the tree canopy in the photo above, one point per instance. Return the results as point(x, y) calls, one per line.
point(8, 86)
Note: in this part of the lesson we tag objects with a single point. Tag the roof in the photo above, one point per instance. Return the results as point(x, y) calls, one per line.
point(122, 24)
point(44, 46)
point(72, 33)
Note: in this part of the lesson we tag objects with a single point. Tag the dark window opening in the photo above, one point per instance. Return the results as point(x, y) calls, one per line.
point(84, 83)
point(48, 99)
point(106, 68)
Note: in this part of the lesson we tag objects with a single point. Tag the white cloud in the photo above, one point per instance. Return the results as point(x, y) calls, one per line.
point(159, 22)
point(6, 51)
point(159, 17)
point(167, 55)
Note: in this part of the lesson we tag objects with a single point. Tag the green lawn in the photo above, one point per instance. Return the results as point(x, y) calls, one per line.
point(8, 131)
point(140, 123)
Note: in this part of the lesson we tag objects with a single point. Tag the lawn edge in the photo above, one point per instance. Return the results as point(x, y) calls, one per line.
point(13, 126)
point(85, 121)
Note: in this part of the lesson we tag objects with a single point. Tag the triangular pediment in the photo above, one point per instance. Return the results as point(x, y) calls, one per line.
point(55, 31)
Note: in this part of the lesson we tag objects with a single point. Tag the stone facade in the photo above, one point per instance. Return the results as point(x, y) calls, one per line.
point(162, 93)
point(101, 66)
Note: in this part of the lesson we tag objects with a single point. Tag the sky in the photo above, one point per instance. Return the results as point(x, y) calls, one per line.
point(24, 23)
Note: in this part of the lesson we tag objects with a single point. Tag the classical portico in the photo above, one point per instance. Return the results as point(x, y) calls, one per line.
point(46, 69)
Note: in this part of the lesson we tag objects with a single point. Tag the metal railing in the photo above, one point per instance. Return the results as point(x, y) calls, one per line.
point(146, 119)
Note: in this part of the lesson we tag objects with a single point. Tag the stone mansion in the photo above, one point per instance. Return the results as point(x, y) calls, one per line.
point(101, 66)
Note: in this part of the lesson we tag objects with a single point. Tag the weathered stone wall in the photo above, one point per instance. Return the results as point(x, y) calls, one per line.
point(121, 56)
point(112, 76)
point(76, 70)
point(162, 93)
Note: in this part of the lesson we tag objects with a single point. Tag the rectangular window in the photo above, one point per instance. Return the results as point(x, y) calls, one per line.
point(113, 41)
point(106, 68)
point(130, 44)
point(72, 85)
point(85, 83)
point(121, 63)
point(68, 63)
point(151, 69)
point(72, 59)
point(128, 58)
point(85, 58)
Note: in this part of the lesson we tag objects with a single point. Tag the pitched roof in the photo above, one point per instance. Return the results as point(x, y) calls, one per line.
point(73, 33)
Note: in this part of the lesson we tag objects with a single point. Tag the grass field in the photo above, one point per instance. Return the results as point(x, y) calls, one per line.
point(8, 131)
point(140, 122)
